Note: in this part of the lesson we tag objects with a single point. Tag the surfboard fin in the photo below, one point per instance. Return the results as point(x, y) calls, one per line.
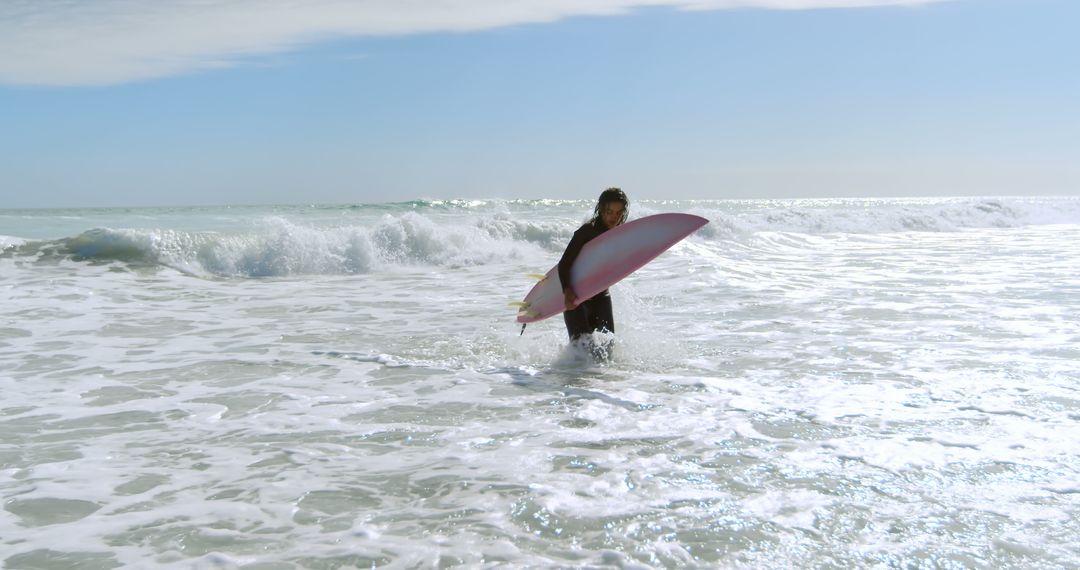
point(519, 304)
point(538, 276)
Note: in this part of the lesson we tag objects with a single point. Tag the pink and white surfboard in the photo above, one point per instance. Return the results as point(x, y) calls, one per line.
point(606, 259)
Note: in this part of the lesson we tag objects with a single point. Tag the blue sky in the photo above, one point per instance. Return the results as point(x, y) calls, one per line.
point(125, 103)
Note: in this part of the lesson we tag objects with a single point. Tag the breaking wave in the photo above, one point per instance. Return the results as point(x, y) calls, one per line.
point(279, 247)
point(459, 233)
point(876, 216)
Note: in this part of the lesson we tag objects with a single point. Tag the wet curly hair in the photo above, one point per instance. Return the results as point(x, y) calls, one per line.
point(608, 196)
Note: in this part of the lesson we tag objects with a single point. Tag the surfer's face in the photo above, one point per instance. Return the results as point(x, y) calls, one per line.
point(612, 214)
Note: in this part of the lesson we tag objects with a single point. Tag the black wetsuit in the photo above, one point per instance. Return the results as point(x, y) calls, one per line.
point(593, 314)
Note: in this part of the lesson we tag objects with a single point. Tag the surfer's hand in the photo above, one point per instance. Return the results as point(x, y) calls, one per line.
point(568, 298)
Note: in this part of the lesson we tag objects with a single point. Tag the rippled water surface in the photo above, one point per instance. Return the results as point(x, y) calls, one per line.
point(800, 384)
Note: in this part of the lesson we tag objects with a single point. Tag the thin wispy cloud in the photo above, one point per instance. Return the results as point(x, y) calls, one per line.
point(102, 42)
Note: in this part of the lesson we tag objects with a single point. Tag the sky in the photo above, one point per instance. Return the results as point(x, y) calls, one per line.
point(109, 103)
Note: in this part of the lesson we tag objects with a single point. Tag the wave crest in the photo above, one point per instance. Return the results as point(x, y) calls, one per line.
point(279, 247)
point(465, 233)
point(875, 216)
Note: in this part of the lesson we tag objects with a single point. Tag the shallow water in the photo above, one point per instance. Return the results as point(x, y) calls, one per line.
point(834, 383)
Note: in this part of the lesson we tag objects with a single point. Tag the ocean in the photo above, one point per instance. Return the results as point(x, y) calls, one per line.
point(833, 383)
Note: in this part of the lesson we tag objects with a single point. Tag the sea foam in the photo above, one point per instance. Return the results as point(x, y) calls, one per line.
point(377, 237)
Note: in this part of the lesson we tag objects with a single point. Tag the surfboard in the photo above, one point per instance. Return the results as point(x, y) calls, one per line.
point(606, 260)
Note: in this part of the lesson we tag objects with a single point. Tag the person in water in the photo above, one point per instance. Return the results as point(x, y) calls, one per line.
point(586, 316)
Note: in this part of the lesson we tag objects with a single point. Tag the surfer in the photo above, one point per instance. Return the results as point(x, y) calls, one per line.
point(594, 314)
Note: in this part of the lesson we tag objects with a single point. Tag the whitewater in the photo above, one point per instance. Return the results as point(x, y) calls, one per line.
point(830, 383)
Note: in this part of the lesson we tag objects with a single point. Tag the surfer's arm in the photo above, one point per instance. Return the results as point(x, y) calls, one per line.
point(582, 236)
point(569, 256)
point(569, 298)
